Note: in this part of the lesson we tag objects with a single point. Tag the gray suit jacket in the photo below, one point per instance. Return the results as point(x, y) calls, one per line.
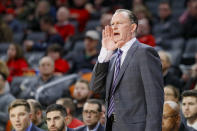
point(139, 92)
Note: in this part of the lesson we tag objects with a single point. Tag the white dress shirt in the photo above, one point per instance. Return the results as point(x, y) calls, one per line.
point(105, 55)
point(95, 128)
point(193, 125)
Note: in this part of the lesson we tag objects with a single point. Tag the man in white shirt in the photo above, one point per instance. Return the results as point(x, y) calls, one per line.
point(189, 108)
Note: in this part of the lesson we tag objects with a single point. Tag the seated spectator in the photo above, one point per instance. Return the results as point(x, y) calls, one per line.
point(20, 116)
point(91, 116)
point(190, 24)
point(81, 94)
point(6, 34)
point(55, 52)
point(46, 68)
point(171, 116)
point(137, 3)
point(60, 3)
point(84, 59)
point(63, 26)
point(4, 4)
point(12, 22)
point(169, 77)
point(46, 25)
point(96, 8)
point(19, 7)
point(16, 61)
point(104, 21)
point(42, 9)
point(144, 32)
point(165, 26)
point(68, 104)
point(185, 14)
point(189, 109)
point(171, 93)
point(37, 117)
point(79, 13)
point(191, 78)
point(56, 118)
point(5, 99)
point(142, 12)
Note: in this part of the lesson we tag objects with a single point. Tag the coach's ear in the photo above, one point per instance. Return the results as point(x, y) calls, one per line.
point(133, 27)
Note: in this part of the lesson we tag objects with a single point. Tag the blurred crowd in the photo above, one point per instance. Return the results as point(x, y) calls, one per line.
point(48, 49)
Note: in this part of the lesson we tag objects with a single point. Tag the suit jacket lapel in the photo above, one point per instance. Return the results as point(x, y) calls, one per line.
point(127, 59)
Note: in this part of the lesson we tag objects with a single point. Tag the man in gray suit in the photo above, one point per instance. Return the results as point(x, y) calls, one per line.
point(132, 77)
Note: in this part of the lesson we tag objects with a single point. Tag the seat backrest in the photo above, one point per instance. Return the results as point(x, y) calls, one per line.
point(4, 47)
point(188, 57)
point(37, 36)
point(50, 92)
point(18, 83)
point(191, 48)
point(33, 58)
point(92, 24)
point(18, 38)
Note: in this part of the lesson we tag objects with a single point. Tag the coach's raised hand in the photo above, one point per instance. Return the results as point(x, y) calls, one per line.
point(107, 38)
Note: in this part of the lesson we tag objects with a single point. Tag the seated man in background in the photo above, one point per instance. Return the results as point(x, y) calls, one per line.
point(84, 58)
point(68, 104)
point(55, 52)
point(169, 77)
point(165, 26)
point(52, 36)
point(56, 118)
point(81, 94)
point(46, 67)
point(5, 99)
point(144, 34)
point(91, 116)
point(189, 109)
point(36, 114)
point(171, 116)
point(20, 116)
point(63, 26)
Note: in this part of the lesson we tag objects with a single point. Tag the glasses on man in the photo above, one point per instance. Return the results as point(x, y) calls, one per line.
point(91, 112)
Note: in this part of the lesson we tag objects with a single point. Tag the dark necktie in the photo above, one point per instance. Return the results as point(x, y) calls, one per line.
point(116, 72)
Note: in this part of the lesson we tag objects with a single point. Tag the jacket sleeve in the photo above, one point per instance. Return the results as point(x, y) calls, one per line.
point(151, 73)
point(98, 81)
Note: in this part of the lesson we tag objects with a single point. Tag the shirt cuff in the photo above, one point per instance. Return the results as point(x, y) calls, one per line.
point(104, 55)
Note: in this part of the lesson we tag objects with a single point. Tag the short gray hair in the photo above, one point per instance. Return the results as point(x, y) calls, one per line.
point(131, 15)
point(49, 58)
